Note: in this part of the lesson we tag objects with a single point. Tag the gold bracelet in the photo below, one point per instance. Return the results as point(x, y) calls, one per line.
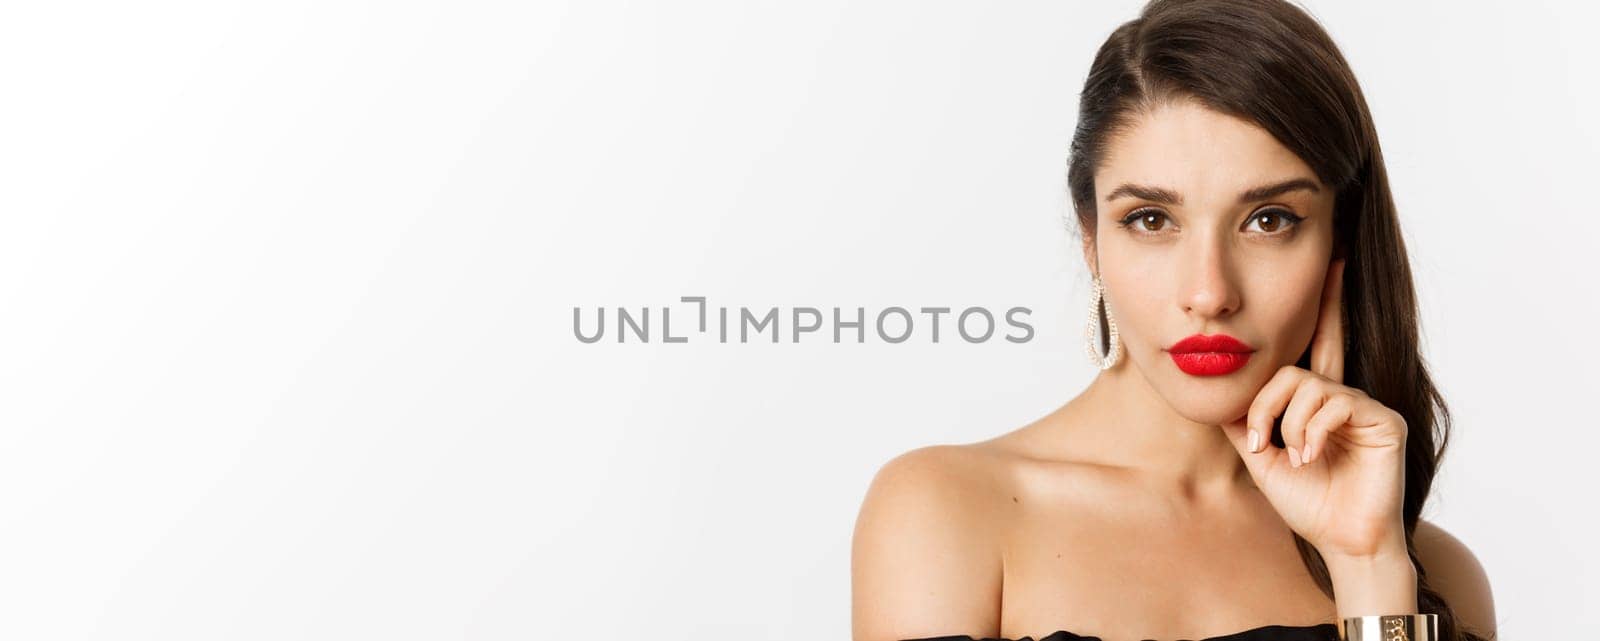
point(1391, 627)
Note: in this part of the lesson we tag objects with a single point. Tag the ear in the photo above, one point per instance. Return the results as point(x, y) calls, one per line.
point(1089, 253)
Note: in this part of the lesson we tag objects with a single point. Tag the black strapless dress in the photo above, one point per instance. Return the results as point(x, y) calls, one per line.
point(1318, 632)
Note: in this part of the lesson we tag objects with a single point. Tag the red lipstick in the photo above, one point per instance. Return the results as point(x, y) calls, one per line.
point(1214, 355)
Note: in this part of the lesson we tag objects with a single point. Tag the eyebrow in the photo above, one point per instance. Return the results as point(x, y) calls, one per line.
point(1169, 197)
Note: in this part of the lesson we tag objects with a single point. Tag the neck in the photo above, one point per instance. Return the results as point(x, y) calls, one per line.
point(1127, 424)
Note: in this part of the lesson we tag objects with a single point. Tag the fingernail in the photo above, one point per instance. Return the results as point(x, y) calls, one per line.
point(1255, 439)
point(1294, 457)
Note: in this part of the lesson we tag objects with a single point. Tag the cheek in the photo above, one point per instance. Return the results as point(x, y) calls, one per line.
point(1288, 309)
point(1139, 303)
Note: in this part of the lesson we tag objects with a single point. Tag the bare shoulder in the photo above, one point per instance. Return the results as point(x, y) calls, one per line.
point(924, 555)
point(1454, 571)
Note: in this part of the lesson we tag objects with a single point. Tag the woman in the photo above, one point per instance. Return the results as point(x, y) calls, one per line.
point(1252, 461)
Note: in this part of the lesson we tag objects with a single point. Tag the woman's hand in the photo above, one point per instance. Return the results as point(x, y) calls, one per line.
point(1340, 480)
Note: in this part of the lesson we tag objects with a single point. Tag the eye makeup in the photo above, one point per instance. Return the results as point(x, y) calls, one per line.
point(1288, 220)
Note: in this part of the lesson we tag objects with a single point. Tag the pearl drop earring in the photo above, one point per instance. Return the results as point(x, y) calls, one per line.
point(1100, 313)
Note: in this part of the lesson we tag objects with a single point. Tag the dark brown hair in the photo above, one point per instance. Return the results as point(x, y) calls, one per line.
point(1270, 63)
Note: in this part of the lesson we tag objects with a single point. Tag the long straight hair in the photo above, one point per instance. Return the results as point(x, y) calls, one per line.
point(1270, 63)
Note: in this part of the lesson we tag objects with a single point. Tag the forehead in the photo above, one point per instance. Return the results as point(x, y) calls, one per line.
point(1204, 155)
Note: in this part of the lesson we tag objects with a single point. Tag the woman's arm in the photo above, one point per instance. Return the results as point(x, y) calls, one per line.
point(1455, 573)
point(923, 559)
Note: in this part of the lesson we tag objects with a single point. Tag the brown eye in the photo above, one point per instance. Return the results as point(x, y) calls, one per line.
point(1273, 221)
point(1149, 220)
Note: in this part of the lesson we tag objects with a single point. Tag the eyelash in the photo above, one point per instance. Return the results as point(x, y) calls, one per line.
point(1294, 220)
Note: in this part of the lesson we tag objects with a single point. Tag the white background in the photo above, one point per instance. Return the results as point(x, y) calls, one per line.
point(287, 347)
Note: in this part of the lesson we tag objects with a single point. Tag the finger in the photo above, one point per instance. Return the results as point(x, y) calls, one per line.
point(1271, 401)
point(1327, 346)
point(1258, 462)
point(1335, 413)
point(1308, 397)
point(1371, 424)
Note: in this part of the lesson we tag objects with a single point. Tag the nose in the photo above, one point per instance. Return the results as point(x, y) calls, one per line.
point(1209, 290)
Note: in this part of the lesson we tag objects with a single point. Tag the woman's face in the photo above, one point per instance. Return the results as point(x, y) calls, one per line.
point(1200, 254)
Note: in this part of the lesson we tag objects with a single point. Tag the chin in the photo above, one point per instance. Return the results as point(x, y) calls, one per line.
point(1211, 415)
point(1211, 400)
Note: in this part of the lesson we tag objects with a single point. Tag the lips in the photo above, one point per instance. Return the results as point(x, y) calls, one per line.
point(1213, 355)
